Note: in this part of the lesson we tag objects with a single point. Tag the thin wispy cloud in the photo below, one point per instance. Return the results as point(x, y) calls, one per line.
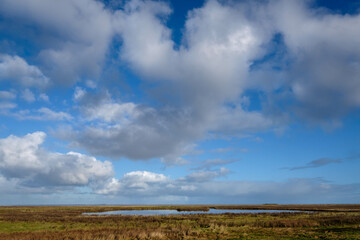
point(316, 163)
point(210, 163)
point(320, 162)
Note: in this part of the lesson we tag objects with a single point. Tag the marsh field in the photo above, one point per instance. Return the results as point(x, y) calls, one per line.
point(68, 222)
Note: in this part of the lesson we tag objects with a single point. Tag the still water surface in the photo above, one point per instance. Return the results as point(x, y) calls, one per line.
point(175, 212)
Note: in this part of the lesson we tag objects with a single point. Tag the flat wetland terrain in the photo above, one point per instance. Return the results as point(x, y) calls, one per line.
point(67, 222)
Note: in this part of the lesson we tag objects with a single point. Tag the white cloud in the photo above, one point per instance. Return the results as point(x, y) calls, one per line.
point(17, 153)
point(325, 59)
point(44, 97)
point(175, 158)
point(210, 163)
point(15, 68)
point(79, 93)
point(199, 85)
point(200, 187)
point(105, 109)
point(41, 114)
point(91, 84)
point(130, 130)
point(7, 95)
point(133, 183)
point(154, 47)
point(209, 69)
point(144, 176)
point(203, 176)
point(112, 112)
point(7, 105)
point(213, 61)
point(23, 158)
point(28, 95)
point(26, 166)
point(48, 114)
point(233, 120)
point(75, 34)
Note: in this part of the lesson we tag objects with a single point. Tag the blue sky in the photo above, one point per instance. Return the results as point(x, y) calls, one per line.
point(179, 102)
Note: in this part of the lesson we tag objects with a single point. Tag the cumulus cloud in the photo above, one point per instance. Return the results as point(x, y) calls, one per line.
point(303, 61)
point(16, 69)
point(26, 166)
point(102, 107)
point(126, 129)
point(134, 183)
point(195, 81)
point(213, 66)
point(74, 35)
point(202, 188)
point(213, 60)
point(22, 158)
point(150, 136)
point(324, 59)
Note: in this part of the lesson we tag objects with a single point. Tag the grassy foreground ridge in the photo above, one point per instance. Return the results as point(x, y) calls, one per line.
point(67, 222)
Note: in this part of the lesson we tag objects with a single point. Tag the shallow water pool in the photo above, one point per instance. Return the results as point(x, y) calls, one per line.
point(175, 212)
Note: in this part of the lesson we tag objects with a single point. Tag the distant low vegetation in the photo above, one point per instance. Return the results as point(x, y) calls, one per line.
point(67, 222)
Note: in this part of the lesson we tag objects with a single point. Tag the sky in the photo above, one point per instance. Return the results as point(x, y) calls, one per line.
point(179, 102)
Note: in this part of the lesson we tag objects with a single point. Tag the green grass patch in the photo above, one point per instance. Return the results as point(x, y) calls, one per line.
point(11, 227)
